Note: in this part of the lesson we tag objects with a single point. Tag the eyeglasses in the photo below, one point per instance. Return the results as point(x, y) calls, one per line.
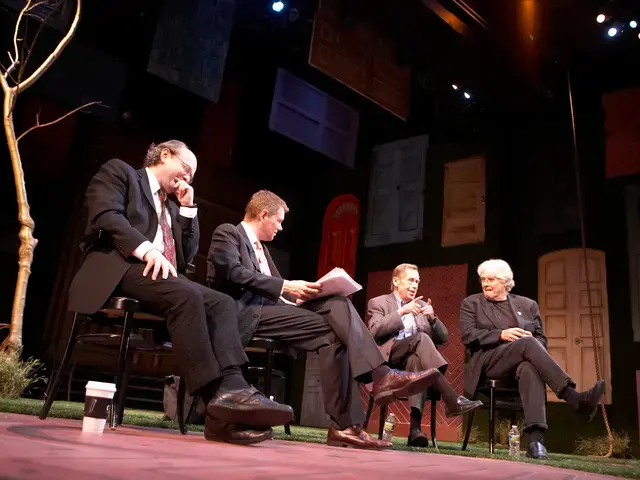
point(186, 168)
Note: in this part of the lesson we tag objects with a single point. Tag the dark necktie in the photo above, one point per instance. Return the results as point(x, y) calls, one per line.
point(167, 235)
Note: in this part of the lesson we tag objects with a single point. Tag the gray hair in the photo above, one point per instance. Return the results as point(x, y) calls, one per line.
point(153, 152)
point(500, 269)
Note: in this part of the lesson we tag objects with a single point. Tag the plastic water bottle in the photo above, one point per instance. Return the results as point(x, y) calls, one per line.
point(389, 426)
point(514, 442)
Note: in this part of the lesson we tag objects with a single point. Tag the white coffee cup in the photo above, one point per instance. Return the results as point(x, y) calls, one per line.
point(97, 401)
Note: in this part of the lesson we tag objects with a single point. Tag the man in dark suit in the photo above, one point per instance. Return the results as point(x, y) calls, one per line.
point(503, 333)
point(241, 266)
point(137, 243)
point(407, 331)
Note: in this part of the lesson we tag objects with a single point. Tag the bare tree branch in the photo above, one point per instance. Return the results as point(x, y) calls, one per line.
point(16, 59)
point(56, 53)
point(40, 125)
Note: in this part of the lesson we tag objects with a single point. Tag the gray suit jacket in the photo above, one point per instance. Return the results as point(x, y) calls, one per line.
point(385, 324)
point(480, 331)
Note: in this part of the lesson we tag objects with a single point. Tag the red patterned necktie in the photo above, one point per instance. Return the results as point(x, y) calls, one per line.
point(167, 235)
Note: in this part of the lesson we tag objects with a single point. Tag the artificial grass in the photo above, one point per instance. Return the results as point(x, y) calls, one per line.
point(144, 418)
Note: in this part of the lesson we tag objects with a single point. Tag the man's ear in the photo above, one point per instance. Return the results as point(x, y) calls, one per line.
point(263, 214)
point(164, 154)
point(395, 281)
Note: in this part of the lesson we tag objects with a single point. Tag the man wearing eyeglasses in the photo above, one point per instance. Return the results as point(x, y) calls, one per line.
point(137, 243)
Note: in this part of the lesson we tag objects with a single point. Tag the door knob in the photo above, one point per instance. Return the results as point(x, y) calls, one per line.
point(579, 341)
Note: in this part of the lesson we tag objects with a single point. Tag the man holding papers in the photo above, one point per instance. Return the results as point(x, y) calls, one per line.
point(299, 313)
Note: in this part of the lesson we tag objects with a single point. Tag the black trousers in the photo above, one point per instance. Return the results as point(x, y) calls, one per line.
point(202, 323)
point(533, 368)
point(346, 350)
point(414, 354)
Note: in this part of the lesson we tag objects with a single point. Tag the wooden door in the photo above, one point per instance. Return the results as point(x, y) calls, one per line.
point(340, 235)
point(396, 192)
point(563, 295)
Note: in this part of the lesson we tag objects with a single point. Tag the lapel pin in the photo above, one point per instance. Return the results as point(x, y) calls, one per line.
point(519, 313)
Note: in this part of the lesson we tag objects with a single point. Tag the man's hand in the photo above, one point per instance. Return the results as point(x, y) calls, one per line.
point(427, 311)
point(301, 290)
point(411, 307)
point(513, 334)
point(156, 261)
point(184, 193)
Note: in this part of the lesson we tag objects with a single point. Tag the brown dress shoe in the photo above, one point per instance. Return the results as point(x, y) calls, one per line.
point(399, 385)
point(355, 437)
point(217, 431)
point(462, 405)
point(248, 406)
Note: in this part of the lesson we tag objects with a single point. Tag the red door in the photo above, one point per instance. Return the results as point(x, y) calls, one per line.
point(340, 235)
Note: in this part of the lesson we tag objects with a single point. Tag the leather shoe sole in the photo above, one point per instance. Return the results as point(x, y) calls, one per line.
point(217, 431)
point(419, 440)
point(412, 387)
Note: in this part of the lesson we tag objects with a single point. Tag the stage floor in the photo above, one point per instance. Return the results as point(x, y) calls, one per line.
point(57, 449)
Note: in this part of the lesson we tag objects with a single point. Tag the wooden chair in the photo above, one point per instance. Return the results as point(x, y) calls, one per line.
point(503, 395)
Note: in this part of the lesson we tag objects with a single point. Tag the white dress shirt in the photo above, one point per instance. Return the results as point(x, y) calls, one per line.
point(158, 243)
point(408, 321)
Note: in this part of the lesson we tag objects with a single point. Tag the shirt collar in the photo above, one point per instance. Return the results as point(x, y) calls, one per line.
point(153, 182)
point(398, 299)
point(250, 233)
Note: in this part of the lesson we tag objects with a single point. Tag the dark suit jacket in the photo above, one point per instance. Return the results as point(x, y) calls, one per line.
point(232, 268)
point(385, 323)
point(480, 331)
point(120, 216)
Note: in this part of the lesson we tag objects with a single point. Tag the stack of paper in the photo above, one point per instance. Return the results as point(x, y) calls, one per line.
point(338, 282)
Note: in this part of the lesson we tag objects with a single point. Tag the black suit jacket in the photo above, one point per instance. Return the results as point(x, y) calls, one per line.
point(232, 268)
point(120, 216)
point(480, 331)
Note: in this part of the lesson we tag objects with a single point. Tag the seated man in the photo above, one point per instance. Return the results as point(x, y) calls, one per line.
point(504, 335)
point(407, 330)
point(137, 243)
point(240, 265)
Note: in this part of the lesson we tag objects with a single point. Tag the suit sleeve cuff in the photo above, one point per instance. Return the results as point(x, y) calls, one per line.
point(142, 250)
point(189, 212)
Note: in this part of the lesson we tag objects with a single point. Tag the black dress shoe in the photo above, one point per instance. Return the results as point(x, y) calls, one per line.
point(537, 450)
point(248, 406)
point(218, 431)
point(590, 399)
point(462, 405)
point(417, 438)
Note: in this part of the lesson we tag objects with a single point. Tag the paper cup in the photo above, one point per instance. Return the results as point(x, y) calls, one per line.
point(97, 401)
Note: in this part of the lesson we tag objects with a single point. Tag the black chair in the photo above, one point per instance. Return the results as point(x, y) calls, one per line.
point(116, 311)
point(268, 346)
point(432, 394)
point(503, 395)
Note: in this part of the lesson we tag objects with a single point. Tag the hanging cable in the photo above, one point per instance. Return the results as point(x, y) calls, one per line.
point(583, 237)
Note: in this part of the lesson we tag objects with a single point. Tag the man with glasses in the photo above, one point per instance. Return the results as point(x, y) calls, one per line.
point(137, 243)
point(504, 335)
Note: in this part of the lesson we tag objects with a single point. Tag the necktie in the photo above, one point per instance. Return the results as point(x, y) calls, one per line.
point(262, 259)
point(167, 235)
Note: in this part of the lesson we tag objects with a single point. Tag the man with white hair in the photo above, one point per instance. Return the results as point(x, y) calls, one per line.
point(504, 335)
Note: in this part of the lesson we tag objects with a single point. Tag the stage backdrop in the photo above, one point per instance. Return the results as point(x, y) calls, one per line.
point(446, 287)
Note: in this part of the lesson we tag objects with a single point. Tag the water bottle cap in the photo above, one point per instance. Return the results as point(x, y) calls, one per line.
point(514, 426)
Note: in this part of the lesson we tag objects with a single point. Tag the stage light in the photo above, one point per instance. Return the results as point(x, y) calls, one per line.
point(601, 18)
point(613, 31)
point(277, 6)
point(454, 86)
point(633, 24)
point(467, 96)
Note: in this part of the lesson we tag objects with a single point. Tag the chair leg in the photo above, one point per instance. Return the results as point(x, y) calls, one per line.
point(470, 417)
point(492, 420)
point(434, 421)
point(54, 380)
point(182, 388)
point(269, 374)
point(287, 394)
point(383, 417)
point(122, 362)
point(369, 412)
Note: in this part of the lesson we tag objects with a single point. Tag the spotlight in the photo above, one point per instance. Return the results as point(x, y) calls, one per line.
point(601, 18)
point(613, 31)
point(633, 24)
point(467, 96)
point(277, 6)
point(454, 86)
